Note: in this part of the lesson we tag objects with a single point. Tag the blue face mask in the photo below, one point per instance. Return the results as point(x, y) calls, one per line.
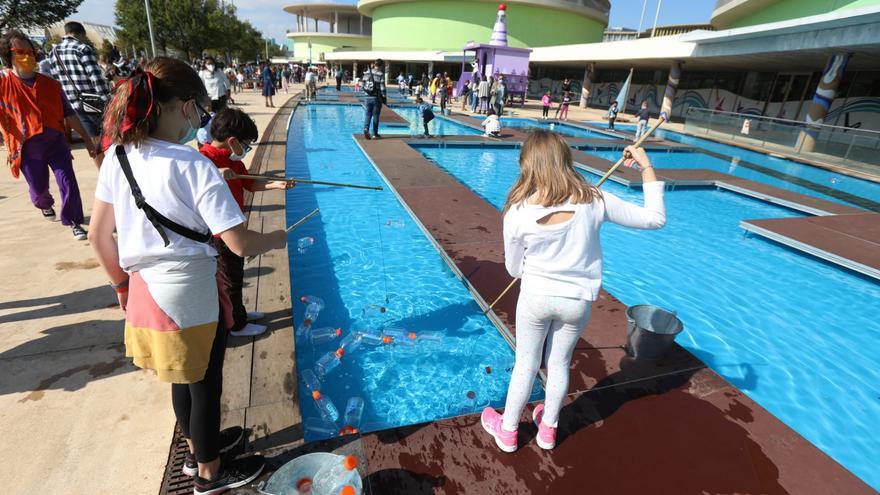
point(190, 134)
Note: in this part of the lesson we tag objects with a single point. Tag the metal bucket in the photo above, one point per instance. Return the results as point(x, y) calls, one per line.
point(650, 331)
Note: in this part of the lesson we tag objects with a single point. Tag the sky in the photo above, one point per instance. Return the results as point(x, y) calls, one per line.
point(268, 16)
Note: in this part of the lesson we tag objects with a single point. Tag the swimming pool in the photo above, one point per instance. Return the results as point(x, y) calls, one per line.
point(369, 254)
point(440, 126)
point(796, 334)
point(761, 166)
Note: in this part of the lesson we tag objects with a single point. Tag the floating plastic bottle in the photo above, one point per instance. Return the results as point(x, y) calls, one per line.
point(324, 334)
point(329, 362)
point(395, 223)
point(351, 342)
point(375, 337)
point(332, 478)
point(325, 406)
point(401, 336)
point(304, 243)
point(309, 300)
point(429, 337)
point(351, 421)
point(373, 311)
point(302, 331)
point(318, 427)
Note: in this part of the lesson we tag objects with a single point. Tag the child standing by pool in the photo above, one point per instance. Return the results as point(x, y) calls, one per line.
point(546, 101)
point(426, 113)
point(552, 219)
point(612, 115)
point(644, 115)
point(566, 101)
point(233, 132)
point(165, 200)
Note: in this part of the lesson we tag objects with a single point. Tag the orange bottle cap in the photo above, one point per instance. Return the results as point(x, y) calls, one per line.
point(307, 322)
point(304, 485)
point(387, 340)
point(347, 490)
point(340, 352)
point(316, 394)
point(412, 336)
point(338, 332)
point(303, 299)
point(350, 462)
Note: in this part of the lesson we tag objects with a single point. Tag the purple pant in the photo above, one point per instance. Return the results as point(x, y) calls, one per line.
point(39, 154)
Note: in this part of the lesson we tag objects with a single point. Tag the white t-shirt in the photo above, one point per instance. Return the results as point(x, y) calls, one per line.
point(492, 124)
point(181, 184)
point(215, 82)
point(566, 259)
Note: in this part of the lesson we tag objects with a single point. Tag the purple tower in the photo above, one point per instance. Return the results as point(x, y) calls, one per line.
point(498, 59)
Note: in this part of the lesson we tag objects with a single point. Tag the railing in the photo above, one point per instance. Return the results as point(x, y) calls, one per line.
point(855, 148)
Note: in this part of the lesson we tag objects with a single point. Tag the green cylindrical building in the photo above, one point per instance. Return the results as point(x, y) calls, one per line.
point(730, 14)
point(447, 25)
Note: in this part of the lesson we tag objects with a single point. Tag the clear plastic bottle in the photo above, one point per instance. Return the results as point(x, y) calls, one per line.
point(373, 337)
point(429, 337)
point(324, 334)
point(351, 342)
point(304, 243)
point(329, 362)
point(401, 336)
point(302, 330)
point(307, 300)
point(331, 479)
point(325, 406)
point(351, 421)
point(311, 314)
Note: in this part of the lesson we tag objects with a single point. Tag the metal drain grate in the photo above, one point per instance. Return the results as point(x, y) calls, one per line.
point(174, 482)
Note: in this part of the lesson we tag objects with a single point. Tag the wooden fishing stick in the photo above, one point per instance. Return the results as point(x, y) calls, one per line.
point(288, 229)
point(305, 181)
point(638, 143)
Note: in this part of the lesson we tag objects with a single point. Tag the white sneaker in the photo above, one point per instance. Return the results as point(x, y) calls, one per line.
point(249, 330)
point(255, 315)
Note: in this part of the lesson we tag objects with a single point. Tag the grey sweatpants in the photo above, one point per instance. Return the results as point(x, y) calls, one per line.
point(554, 322)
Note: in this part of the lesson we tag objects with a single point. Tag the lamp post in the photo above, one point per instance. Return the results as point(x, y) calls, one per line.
point(656, 16)
point(150, 27)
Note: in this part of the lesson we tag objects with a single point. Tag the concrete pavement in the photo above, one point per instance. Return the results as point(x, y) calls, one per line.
point(75, 415)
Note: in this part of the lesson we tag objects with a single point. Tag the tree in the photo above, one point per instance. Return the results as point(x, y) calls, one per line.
point(25, 14)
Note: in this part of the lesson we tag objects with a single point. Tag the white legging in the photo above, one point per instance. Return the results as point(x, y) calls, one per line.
point(559, 320)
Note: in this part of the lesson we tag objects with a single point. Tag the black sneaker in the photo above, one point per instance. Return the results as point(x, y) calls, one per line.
point(367, 135)
point(376, 136)
point(48, 213)
point(79, 233)
point(229, 438)
point(233, 474)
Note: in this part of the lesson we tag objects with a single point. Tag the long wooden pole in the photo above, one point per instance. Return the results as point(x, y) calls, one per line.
point(605, 177)
point(289, 229)
point(266, 178)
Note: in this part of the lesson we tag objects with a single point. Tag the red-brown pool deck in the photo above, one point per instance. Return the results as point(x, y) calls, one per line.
point(850, 240)
point(676, 427)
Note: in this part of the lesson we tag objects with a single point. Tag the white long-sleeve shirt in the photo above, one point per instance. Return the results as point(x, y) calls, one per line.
point(492, 124)
point(565, 259)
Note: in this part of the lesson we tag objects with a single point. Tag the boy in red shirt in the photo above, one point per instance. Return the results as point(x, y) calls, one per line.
point(232, 132)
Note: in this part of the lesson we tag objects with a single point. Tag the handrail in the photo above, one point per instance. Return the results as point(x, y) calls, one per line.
point(798, 122)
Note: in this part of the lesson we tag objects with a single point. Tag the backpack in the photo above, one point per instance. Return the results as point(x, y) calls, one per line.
point(371, 88)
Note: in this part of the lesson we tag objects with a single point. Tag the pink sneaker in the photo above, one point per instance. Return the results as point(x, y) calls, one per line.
point(506, 440)
point(546, 434)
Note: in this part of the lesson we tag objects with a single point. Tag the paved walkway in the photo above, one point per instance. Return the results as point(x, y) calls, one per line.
point(75, 415)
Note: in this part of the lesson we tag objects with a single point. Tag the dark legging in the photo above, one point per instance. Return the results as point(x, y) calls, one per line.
point(197, 405)
point(546, 111)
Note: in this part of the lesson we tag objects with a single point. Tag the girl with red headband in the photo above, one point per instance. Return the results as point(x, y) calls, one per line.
point(165, 201)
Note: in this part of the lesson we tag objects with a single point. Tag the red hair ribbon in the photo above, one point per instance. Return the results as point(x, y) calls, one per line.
point(140, 99)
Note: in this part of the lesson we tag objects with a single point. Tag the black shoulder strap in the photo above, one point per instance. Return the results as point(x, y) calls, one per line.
point(157, 219)
point(60, 62)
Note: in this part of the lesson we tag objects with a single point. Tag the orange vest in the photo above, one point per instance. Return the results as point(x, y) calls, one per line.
point(24, 111)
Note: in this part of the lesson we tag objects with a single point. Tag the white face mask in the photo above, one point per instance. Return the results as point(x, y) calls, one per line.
point(210, 67)
point(235, 156)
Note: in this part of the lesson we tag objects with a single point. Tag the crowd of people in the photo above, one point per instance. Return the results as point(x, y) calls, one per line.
point(168, 226)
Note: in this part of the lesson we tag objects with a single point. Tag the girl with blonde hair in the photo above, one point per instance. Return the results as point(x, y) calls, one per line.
point(552, 219)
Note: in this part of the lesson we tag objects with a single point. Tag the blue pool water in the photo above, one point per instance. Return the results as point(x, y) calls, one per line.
point(438, 127)
point(735, 161)
point(797, 335)
point(368, 253)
